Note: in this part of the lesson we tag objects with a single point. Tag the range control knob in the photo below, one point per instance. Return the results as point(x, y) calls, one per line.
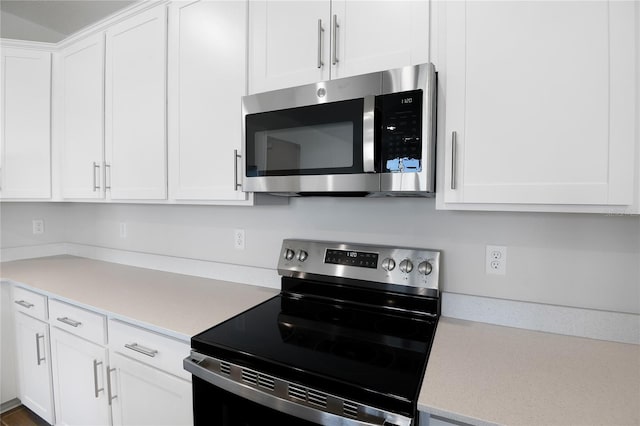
point(289, 254)
point(302, 255)
point(388, 264)
point(424, 268)
point(406, 266)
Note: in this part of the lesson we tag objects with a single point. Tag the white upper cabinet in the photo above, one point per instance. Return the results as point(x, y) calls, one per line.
point(207, 78)
point(82, 118)
point(539, 105)
point(298, 42)
point(135, 134)
point(25, 127)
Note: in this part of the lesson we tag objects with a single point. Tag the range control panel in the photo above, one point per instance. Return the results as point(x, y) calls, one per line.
point(384, 264)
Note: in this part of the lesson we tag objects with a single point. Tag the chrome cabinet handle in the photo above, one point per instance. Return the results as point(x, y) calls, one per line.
point(454, 155)
point(96, 185)
point(236, 156)
point(335, 40)
point(24, 304)
point(320, 31)
point(145, 351)
point(107, 177)
point(97, 390)
point(39, 358)
point(368, 143)
point(69, 321)
point(110, 395)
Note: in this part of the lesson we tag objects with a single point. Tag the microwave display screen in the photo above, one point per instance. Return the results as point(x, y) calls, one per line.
point(400, 131)
point(351, 258)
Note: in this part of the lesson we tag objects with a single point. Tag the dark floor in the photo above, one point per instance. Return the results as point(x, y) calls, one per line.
point(21, 416)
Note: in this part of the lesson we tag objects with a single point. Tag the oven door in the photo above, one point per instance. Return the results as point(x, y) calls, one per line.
point(226, 394)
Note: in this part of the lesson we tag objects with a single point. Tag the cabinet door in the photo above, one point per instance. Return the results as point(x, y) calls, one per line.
point(136, 107)
point(378, 35)
point(82, 117)
point(34, 366)
point(25, 128)
point(539, 97)
point(79, 376)
point(143, 395)
point(288, 43)
point(207, 79)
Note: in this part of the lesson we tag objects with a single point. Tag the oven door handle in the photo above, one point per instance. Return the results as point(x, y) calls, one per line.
point(368, 134)
point(202, 366)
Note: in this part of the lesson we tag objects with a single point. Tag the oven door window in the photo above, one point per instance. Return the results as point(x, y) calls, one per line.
point(313, 140)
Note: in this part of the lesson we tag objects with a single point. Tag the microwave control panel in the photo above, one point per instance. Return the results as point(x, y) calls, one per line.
point(400, 131)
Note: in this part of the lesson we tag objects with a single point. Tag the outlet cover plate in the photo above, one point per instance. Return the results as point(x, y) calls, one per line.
point(496, 260)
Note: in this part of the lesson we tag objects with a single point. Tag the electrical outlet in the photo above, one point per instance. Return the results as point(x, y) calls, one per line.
point(38, 226)
point(496, 260)
point(238, 239)
point(123, 230)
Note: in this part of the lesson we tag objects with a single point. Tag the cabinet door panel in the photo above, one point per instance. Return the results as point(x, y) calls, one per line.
point(25, 127)
point(207, 80)
point(79, 373)
point(379, 35)
point(82, 69)
point(284, 43)
point(136, 106)
point(34, 366)
point(528, 92)
point(147, 396)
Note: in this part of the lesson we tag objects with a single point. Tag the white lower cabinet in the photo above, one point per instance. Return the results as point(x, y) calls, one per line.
point(144, 395)
point(34, 365)
point(80, 380)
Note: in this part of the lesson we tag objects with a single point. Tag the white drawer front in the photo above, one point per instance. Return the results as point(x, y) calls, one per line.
point(32, 304)
point(79, 321)
point(162, 352)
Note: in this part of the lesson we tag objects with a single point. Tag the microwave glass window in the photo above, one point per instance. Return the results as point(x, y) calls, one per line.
point(313, 147)
point(316, 139)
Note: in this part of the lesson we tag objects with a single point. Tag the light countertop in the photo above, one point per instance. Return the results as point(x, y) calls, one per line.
point(487, 374)
point(177, 305)
point(477, 373)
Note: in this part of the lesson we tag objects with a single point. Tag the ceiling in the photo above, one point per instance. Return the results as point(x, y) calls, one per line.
point(52, 20)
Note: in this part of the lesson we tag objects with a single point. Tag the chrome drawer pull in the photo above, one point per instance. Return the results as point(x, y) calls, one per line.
point(145, 351)
point(69, 321)
point(38, 337)
point(111, 396)
point(24, 304)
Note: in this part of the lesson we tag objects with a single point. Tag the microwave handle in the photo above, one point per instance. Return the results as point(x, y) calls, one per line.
point(368, 143)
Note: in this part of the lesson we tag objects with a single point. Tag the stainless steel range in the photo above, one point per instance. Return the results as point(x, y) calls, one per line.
point(345, 342)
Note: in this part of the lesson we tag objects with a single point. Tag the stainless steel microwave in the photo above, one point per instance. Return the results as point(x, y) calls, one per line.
point(367, 135)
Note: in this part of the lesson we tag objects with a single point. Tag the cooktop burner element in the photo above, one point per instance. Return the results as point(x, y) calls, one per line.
point(353, 325)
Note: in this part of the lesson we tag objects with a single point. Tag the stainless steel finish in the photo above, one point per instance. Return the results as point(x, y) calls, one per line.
point(107, 177)
point(334, 50)
point(406, 266)
point(69, 321)
point(289, 254)
point(368, 134)
point(97, 390)
point(291, 398)
point(141, 349)
point(424, 268)
point(110, 395)
point(374, 184)
point(302, 255)
point(236, 156)
point(96, 186)
point(320, 31)
point(409, 281)
point(24, 304)
point(388, 264)
point(38, 357)
point(454, 159)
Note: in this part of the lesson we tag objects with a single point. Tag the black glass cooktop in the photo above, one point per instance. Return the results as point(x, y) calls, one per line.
point(355, 351)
